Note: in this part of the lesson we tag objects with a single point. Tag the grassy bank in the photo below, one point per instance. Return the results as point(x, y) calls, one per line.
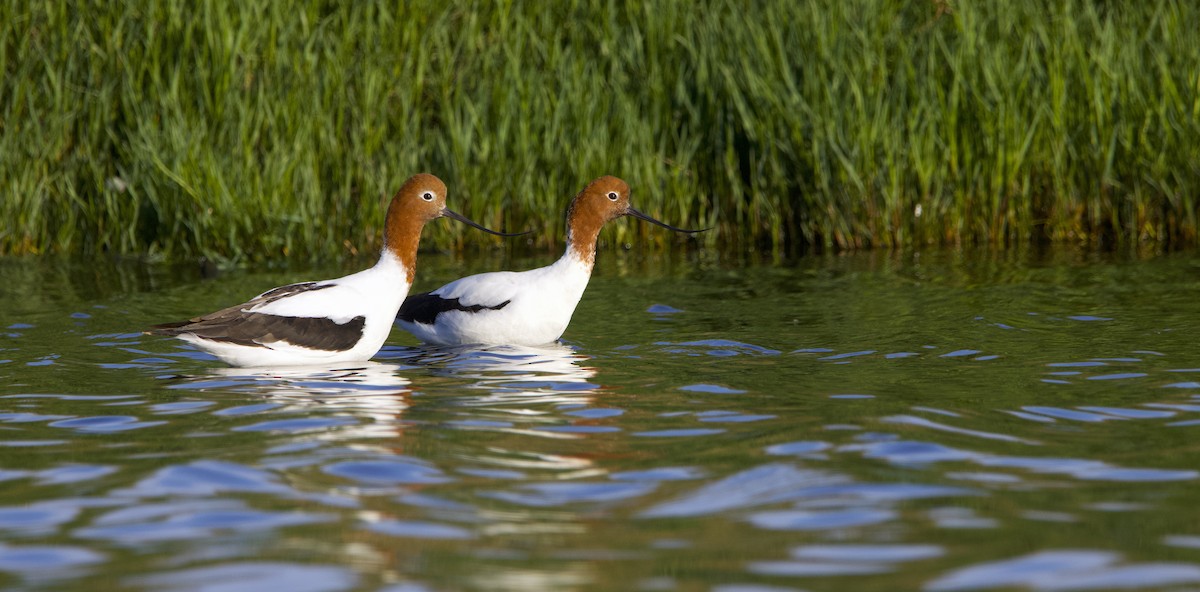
point(257, 130)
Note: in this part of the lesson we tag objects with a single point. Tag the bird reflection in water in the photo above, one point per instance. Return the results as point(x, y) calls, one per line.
point(512, 393)
point(375, 394)
point(513, 375)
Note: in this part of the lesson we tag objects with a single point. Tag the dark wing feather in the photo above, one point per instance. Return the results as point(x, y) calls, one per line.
point(236, 325)
point(261, 330)
point(285, 291)
point(425, 308)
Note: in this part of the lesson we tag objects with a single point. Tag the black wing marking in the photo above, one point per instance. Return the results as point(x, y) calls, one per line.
point(235, 325)
point(261, 330)
point(425, 308)
point(262, 299)
point(285, 291)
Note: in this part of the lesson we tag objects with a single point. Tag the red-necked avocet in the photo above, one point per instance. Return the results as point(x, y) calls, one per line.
point(527, 307)
point(341, 320)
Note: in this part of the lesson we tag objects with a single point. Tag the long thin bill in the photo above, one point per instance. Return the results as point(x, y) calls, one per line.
point(641, 216)
point(451, 214)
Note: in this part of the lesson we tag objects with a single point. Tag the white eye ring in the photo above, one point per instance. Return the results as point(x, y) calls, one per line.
point(427, 196)
point(613, 195)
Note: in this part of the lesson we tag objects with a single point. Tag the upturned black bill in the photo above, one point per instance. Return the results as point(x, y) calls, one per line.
point(641, 216)
point(451, 214)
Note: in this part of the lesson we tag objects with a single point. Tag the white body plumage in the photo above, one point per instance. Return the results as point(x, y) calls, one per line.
point(529, 307)
point(329, 321)
point(508, 307)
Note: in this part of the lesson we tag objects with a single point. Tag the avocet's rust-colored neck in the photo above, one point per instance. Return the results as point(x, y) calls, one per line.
point(406, 216)
point(401, 237)
point(583, 230)
point(591, 209)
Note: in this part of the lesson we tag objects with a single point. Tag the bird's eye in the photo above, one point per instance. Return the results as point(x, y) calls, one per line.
point(612, 195)
point(427, 196)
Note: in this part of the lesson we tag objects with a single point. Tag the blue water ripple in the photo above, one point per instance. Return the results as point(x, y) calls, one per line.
point(871, 553)
point(815, 569)
point(19, 417)
point(855, 494)
point(31, 443)
point(713, 389)
point(959, 353)
point(579, 429)
point(212, 384)
point(1066, 570)
point(181, 521)
point(855, 354)
point(300, 424)
point(908, 452)
point(766, 484)
point(419, 529)
point(814, 520)
point(73, 473)
point(798, 448)
point(1070, 414)
point(479, 423)
point(244, 577)
point(247, 409)
point(660, 474)
point(558, 494)
point(1032, 417)
point(1185, 541)
point(818, 560)
point(734, 418)
point(662, 309)
point(64, 397)
point(181, 407)
point(596, 413)
point(724, 347)
point(207, 478)
point(680, 433)
point(395, 470)
point(914, 452)
point(751, 588)
point(1130, 413)
point(105, 423)
point(29, 560)
point(1117, 376)
point(37, 517)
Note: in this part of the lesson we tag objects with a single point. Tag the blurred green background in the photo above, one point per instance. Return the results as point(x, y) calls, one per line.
point(259, 130)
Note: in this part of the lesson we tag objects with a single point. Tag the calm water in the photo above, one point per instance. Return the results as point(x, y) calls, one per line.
point(866, 422)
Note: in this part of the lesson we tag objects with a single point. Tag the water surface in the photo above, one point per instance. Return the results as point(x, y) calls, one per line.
point(936, 421)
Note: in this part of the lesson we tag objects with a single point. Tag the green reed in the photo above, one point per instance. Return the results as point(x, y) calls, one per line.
point(259, 130)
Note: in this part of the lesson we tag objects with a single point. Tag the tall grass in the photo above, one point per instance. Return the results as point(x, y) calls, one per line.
point(258, 129)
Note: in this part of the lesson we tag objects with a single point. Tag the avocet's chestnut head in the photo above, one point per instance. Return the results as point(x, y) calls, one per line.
point(603, 200)
point(420, 199)
point(422, 196)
